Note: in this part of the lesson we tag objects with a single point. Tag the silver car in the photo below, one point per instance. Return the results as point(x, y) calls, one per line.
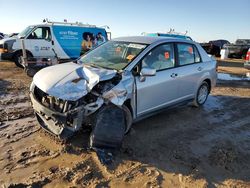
point(120, 82)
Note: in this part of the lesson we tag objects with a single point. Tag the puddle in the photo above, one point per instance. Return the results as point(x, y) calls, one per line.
point(215, 105)
point(212, 103)
point(225, 76)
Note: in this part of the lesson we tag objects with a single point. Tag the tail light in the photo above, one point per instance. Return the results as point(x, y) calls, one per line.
point(248, 56)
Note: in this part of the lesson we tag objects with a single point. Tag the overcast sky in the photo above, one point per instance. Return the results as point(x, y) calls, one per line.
point(204, 20)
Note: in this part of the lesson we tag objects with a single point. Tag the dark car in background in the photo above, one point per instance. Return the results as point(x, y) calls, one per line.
point(13, 34)
point(239, 49)
point(213, 47)
point(1, 35)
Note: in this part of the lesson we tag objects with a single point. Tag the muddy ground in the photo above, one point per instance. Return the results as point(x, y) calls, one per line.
point(182, 147)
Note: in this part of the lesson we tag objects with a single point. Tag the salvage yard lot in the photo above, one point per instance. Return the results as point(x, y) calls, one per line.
point(182, 147)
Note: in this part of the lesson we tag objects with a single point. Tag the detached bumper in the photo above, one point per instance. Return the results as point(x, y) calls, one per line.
point(55, 122)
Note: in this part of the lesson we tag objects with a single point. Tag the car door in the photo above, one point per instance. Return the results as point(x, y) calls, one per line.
point(161, 89)
point(39, 42)
point(190, 69)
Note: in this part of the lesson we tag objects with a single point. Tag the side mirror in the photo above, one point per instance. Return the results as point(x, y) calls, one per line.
point(146, 72)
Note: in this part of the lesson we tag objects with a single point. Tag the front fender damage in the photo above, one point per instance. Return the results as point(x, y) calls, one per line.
point(122, 91)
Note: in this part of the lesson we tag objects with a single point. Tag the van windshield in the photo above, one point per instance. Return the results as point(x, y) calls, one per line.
point(113, 55)
point(26, 31)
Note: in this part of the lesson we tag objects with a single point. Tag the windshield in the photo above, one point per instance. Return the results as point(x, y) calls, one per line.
point(113, 55)
point(26, 31)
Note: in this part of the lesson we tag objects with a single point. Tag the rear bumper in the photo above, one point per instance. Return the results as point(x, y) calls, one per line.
point(247, 65)
point(6, 56)
point(56, 122)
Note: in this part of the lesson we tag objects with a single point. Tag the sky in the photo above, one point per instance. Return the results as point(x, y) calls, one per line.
point(203, 19)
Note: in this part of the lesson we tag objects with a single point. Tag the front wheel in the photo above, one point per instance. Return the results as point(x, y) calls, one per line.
point(18, 59)
point(201, 95)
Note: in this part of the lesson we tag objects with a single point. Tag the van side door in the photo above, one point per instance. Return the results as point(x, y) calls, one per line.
point(39, 42)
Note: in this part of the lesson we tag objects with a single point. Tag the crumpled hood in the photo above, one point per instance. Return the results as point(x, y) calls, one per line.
point(70, 81)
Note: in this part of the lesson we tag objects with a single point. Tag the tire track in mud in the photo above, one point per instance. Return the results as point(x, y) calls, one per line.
point(14, 107)
point(14, 131)
point(137, 174)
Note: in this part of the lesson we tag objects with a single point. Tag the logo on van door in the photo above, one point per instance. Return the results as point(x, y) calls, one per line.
point(36, 48)
point(45, 48)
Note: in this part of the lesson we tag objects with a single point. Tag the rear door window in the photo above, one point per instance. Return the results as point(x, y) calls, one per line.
point(188, 54)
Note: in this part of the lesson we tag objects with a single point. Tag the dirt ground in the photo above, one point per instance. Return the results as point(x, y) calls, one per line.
point(182, 147)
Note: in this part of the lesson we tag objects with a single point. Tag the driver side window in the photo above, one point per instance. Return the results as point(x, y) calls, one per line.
point(160, 58)
point(40, 33)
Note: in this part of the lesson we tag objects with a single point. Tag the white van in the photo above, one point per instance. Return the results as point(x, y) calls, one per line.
point(50, 39)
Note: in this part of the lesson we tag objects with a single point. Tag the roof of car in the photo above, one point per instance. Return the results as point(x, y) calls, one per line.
point(149, 39)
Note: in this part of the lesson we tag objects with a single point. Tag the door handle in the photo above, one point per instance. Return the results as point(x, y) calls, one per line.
point(52, 42)
point(199, 68)
point(173, 75)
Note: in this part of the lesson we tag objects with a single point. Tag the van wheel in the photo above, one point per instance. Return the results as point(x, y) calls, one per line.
point(18, 58)
point(201, 95)
point(109, 128)
point(30, 72)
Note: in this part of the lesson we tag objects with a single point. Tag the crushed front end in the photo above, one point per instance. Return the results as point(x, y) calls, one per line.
point(62, 117)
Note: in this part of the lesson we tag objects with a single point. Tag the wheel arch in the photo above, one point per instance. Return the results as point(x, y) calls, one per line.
point(20, 51)
point(127, 103)
point(208, 82)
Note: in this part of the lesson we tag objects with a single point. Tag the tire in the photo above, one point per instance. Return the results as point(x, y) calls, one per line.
point(18, 60)
point(202, 94)
point(30, 72)
point(128, 118)
point(109, 128)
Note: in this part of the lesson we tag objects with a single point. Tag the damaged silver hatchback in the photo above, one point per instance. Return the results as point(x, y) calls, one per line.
point(118, 83)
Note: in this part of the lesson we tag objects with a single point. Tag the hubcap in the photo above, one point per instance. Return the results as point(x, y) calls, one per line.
point(202, 95)
point(20, 59)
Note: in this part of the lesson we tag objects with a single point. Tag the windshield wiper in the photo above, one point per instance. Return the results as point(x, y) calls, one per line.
point(94, 65)
point(99, 66)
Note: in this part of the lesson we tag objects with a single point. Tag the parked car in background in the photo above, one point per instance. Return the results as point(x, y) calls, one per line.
point(65, 40)
point(239, 49)
point(176, 35)
point(13, 34)
point(120, 82)
point(213, 47)
point(247, 62)
point(1, 35)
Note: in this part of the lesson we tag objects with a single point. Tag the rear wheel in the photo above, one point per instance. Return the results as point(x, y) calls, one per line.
point(202, 94)
point(30, 72)
point(109, 128)
point(244, 54)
